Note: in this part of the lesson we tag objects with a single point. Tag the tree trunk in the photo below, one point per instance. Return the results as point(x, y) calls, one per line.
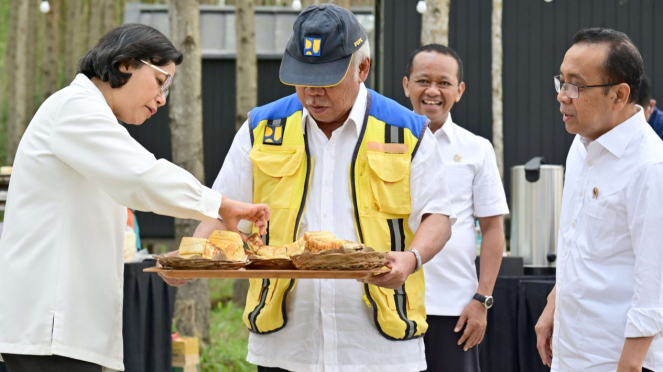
point(70, 58)
point(7, 78)
point(342, 3)
point(246, 65)
point(96, 22)
point(120, 14)
point(192, 303)
point(18, 107)
point(110, 16)
point(51, 42)
point(240, 290)
point(83, 30)
point(307, 3)
point(496, 72)
point(31, 60)
point(435, 23)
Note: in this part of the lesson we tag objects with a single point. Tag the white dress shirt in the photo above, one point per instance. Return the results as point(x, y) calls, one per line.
point(610, 257)
point(61, 254)
point(476, 190)
point(330, 328)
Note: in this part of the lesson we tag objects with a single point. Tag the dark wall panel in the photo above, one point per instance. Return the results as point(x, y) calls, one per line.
point(401, 35)
point(536, 35)
point(470, 37)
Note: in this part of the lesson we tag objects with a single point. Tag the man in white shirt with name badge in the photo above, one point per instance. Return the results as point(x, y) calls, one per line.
point(606, 310)
point(456, 302)
point(339, 157)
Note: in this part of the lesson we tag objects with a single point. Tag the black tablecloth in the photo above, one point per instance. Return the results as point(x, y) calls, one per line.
point(510, 342)
point(147, 320)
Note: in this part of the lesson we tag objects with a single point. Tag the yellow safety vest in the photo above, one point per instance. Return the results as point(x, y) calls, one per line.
point(380, 192)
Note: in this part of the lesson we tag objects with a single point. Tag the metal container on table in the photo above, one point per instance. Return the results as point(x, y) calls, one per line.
point(536, 205)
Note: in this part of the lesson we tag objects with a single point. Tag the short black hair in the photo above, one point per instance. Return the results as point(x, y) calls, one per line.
point(644, 93)
point(439, 48)
point(128, 43)
point(623, 64)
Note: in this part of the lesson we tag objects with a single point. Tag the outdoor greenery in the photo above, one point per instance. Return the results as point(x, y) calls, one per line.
point(228, 334)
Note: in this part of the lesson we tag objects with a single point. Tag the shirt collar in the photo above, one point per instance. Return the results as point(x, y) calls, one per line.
point(448, 128)
point(619, 137)
point(356, 114)
point(87, 84)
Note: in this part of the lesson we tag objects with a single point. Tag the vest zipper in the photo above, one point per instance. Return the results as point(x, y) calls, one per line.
point(302, 206)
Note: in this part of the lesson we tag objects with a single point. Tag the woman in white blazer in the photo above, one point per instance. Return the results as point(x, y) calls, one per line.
point(76, 172)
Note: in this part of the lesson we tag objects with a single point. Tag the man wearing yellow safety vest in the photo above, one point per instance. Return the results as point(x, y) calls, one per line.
point(338, 157)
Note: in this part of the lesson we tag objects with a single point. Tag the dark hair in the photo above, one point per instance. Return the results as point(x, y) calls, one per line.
point(128, 43)
point(623, 64)
point(644, 93)
point(442, 49)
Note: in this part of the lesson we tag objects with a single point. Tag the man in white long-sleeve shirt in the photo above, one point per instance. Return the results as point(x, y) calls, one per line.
point(606, 311)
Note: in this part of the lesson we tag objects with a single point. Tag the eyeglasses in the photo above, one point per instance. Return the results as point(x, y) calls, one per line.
point(573, 91)
point(169, 79)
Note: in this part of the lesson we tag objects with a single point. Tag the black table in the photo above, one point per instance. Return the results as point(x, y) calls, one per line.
point(147, 320)
point(510, 342)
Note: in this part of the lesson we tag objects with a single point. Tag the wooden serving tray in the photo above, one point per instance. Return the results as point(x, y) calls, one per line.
point(255, 274)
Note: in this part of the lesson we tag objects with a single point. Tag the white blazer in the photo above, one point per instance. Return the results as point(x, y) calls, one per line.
point(61, 253)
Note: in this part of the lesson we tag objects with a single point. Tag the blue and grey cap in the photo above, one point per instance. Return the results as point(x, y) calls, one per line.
point(319, 52)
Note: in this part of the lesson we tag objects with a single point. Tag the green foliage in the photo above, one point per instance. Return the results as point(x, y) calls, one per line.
point(228, 341)
point(220, 290)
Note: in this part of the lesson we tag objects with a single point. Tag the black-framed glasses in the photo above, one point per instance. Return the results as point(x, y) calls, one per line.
point(573, 91)
point(169, 79)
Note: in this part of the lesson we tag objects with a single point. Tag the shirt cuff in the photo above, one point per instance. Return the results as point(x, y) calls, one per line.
point(644, 322)
point(490, 210)
point(209, 204)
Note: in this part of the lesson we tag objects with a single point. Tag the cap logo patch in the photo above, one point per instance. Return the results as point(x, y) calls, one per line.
point(358, 42)
point(312, 46)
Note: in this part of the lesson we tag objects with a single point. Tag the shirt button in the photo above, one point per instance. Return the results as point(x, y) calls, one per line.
point(581, 194)
point(566, 252)
point(556, 315)
point(573, 224)
point(589, 163)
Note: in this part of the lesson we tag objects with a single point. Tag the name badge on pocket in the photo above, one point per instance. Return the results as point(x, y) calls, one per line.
point(274, 132)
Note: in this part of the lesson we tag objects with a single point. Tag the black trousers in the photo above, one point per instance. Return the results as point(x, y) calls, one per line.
point(443, 354)
point(47, 363)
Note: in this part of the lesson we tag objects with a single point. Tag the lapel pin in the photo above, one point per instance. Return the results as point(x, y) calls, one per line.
point(457, 158)
point(595, 193)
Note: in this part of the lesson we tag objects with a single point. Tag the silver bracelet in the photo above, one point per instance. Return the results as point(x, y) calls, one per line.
point(418, 256)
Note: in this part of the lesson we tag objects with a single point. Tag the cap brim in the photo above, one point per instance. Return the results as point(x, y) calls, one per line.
point(328, 74)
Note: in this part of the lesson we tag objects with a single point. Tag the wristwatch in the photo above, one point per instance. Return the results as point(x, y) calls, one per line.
point(487, 301)
point(418, 256)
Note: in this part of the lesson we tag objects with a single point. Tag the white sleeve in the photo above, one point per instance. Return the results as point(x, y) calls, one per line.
point(235, 180)
point(428, 187)
point(487, 188)
point(645, 217)
point(87, 137)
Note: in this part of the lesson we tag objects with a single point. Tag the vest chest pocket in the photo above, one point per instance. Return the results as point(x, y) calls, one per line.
point(389, 179)
point(275, 173)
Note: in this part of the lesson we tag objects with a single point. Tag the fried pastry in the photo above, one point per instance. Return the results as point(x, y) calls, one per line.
point(196, 247)
point(228, 243)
